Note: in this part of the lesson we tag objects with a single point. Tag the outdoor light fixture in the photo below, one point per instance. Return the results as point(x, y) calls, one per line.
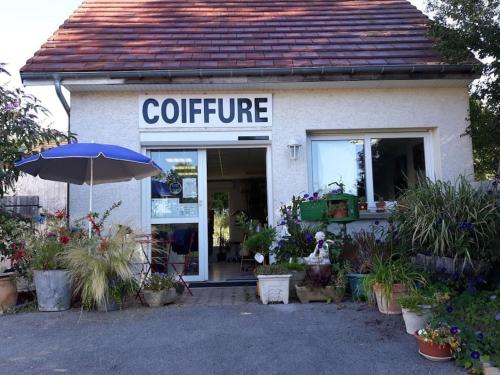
point(293, 146)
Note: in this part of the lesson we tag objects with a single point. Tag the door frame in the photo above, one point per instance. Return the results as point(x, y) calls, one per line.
point(202, 199)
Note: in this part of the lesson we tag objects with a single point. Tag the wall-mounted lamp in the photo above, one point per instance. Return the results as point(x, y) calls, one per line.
point(293, 147)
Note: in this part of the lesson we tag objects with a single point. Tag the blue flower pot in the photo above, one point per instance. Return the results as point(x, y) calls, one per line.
point(356, 285)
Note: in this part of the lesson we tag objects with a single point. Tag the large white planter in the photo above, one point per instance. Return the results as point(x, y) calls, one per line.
point(414, 321)
point(274, 288)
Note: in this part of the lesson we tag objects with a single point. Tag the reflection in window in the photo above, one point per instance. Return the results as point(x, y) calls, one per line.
point(174, 192)
point(396, 163)
point(339, 161)
point(175, 245)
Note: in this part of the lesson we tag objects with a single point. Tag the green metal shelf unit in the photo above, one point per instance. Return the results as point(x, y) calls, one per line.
point(323, 209)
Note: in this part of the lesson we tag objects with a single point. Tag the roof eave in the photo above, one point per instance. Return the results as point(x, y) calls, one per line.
point(471, 70)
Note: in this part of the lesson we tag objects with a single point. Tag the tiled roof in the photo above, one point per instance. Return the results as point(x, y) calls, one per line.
point(128, 35)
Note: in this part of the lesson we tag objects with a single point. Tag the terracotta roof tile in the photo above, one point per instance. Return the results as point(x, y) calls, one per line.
point(154, 35)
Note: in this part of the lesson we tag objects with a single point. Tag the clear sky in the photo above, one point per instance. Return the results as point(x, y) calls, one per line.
point(25, 25)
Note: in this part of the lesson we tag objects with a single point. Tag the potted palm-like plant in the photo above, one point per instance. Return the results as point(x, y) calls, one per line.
point(389, 280)
point(46, 250)
point(100, 268)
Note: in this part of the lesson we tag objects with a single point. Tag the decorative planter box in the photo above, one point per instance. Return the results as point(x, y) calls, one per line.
point(161, 298)
point(308, 294)
point(350, 202)
point(274, 288)
point(53, 290)
point(313, 210)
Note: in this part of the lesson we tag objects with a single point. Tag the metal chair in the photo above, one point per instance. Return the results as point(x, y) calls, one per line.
point(180, 268)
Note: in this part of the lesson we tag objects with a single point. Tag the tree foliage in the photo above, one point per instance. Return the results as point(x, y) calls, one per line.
point(21, 131)
point(462, 28)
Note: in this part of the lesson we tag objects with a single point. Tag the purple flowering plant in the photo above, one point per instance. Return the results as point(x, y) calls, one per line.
point(476, 318)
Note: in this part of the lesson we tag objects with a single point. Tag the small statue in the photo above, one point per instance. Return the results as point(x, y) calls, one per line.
point(320, 255)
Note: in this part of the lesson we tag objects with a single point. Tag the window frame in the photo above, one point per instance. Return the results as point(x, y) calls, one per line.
point(367, 136)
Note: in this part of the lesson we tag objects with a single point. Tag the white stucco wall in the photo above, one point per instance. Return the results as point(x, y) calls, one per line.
point(112, 117)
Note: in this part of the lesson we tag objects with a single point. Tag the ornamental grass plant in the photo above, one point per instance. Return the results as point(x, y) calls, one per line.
point(100, 267)
point(447, 219)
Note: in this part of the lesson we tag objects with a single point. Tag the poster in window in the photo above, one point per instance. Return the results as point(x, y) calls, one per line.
point(189, 188)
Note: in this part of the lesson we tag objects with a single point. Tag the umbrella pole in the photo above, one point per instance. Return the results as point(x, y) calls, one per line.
point(91, 186)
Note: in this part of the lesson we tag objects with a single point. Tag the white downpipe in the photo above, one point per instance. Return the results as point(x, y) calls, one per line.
point(91, 185)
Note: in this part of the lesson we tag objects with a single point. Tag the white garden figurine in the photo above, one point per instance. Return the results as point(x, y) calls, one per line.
point(320, 255)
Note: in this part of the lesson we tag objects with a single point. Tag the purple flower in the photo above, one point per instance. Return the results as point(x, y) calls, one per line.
point(455, 276)
point(497, 317)
point(475, 355)
point(309, 237)
point(377, 222)
point(493, 297)
point(320, 243)
point(453, 330)
point(306, 196)
point(315, 195)
point(466, 227)
point(418, 285)
point(449, 308)
point(311, 198)
point(283, 222)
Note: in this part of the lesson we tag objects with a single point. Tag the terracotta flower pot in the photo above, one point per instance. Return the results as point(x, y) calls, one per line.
point(433, 351)
point(389, 305)
point(8, 292)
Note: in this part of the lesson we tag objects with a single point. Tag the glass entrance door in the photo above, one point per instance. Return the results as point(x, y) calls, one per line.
point(178, 213)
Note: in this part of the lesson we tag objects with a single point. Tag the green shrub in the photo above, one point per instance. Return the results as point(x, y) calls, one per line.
point(158, 282)
point(453, 220)
point(271, 269)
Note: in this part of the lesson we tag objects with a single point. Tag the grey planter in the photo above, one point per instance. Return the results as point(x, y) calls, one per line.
point(297, 278)
point(161, 298)
point(53, 290)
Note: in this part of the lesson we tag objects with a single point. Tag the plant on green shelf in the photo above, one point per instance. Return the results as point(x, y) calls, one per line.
point(100, 267)
point(449, 220)
point(390, 271)
point(477, 316)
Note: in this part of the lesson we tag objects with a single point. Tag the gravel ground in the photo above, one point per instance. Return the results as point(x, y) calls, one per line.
point(243, 339)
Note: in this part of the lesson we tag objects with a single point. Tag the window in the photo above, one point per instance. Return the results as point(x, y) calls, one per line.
point(373, 166)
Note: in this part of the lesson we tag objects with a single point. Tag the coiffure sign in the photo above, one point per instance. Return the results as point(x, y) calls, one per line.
point(205, 111)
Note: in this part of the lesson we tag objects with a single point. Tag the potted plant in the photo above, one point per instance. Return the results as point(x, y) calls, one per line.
point(380, 204)
point(46, 249)
point(100, 268)
point(274, 283)
point(8, 291)
point(438, 342)
point(338, 210)
point(416, 308)
point(334, 291)
point(364, 247)
point(390, 279)
point(159, 290)
point(362, 204)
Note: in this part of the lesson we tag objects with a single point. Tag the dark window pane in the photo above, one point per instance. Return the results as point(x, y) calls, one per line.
point(175, 245)
point(396, 163)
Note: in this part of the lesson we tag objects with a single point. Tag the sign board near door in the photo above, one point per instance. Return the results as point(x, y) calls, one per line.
point(221, 110)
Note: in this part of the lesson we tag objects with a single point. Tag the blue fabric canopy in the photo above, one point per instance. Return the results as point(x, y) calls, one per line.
point(90, 163)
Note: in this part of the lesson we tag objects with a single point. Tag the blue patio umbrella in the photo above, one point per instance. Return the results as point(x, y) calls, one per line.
point(89, 163)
